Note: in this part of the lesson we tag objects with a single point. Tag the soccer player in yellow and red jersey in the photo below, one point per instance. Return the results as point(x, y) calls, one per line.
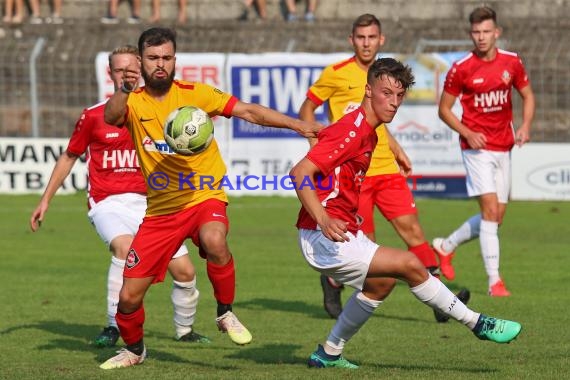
point(342, 85)
point(180, 204)
point(484, 81)
point(116, 198)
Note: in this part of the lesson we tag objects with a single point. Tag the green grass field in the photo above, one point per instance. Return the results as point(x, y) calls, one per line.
point(52, 302)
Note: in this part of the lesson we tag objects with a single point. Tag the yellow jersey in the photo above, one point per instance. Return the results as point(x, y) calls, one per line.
point(342, 85)
point(175, 181)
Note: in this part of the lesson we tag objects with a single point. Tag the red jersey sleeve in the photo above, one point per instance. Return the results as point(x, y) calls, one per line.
point(333, 149)
point(521, 78)
point(454, 81)
point(81, 136)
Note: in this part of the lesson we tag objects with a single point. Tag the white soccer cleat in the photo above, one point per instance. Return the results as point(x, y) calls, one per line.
point(237, 332)
point(125, 358)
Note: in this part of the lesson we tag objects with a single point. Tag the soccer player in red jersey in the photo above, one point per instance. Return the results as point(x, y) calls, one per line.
point(179, 207)
point(116, 197)
point(342, 85)
point(327, 182)
point(484, 81)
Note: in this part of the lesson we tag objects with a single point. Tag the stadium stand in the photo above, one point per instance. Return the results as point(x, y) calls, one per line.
point(65, 66)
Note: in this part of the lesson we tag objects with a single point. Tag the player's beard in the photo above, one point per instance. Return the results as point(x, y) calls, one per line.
point(159, 85)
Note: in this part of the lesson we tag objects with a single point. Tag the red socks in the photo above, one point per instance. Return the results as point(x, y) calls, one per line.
point(131, 325)
point(426, 255)
point(223, 279)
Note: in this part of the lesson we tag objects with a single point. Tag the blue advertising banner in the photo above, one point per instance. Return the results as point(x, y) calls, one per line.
point(276, 80)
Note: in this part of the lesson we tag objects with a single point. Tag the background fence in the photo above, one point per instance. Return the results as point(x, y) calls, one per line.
point(48, 70)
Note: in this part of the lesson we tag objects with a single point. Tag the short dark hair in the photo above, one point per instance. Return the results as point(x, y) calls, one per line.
point(155, 37)
point(481, 14)
point(392, 68)
point(366, 19)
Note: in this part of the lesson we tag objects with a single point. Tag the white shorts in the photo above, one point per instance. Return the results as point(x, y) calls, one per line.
point(346, 262)
point(120, 214)
point(488, 172)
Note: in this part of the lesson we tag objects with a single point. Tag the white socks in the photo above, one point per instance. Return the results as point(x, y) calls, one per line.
point(489, 240)
point(185, 300)
point(356, 312)
point(467, 231)
point(437, 296)
point(114, 284)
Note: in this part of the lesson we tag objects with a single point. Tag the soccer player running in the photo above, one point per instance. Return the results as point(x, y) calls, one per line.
point(342, 85)
point(327, 184)
point(484, 80)
point(116, 197)
point(178, 206)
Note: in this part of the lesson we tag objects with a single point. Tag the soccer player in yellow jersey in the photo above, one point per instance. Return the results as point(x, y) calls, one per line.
point(342, 85)
point(180, 206)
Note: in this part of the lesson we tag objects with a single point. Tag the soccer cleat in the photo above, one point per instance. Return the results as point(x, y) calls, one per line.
point(498, 289)
point(320, 359)
point(194, 337)
point(331, 297)
point(107, 338)
point(444, 259)
point(125, 358)
point(496, 330)
point(237, 332)
point(463, 295)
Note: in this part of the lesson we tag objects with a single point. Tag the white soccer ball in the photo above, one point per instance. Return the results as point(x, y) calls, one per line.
point(188, 130)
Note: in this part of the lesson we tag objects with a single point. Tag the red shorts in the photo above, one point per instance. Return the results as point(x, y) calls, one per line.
point(390, 193)
point(160, 236)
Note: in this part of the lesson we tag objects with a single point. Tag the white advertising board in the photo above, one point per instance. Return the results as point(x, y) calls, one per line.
point(541, 172)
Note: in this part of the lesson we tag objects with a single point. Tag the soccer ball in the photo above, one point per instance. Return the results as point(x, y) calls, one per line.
point(188, 130)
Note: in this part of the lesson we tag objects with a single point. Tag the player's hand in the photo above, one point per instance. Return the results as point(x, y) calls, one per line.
point(308, 128)
point(404, 163)
point(131, 75)
point(522, 136)
point(37, 217)
point(334, 229)
point(476, 140)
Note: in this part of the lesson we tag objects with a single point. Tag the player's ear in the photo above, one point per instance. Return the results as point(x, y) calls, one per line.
point(350, 40)
point(382, 39)
point(498, 32)
point(367, 91)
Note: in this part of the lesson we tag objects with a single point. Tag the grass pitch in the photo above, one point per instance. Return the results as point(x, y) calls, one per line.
point(52, 301)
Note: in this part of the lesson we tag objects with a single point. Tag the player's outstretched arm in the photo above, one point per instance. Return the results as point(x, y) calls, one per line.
point(60, 172)
point(307, 113)
point(258, 114)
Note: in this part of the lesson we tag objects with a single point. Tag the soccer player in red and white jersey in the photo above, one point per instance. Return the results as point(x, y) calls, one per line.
point(179, 206)
point(327, 184)
point(484, 82)
point(341, 84)
point(117, 203)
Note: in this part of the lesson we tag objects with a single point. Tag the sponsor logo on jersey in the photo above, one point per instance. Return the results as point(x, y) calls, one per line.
point(143, 120)
point(491, 101)
point(132, 259)
point(478, 80)
point(112, 135)
point(160, 146)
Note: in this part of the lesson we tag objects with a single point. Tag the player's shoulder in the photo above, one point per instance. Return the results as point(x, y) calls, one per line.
point(465, 60)
point(344, 64)
point(507, 53)
point(96, 107)
point(185, 85)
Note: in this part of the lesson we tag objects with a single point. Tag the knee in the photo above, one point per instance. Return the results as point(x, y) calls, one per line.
point(215, 244)
point(128, 301)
